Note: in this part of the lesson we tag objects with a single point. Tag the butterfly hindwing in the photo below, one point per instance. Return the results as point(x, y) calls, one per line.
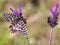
point(21, 28)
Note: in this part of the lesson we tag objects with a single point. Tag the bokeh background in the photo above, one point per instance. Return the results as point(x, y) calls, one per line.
point(36, 12)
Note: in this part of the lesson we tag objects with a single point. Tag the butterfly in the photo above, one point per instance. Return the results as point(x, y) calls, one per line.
point(18, 23)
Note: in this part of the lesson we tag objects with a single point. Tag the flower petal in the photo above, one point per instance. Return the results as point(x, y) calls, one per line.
point(14, 11)
point(52, 12)
point(20, 8)
point(57, 6)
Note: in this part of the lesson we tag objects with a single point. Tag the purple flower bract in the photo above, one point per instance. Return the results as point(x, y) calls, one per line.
point(17, 13)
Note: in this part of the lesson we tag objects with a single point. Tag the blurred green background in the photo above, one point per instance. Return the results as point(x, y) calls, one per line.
point(36, 12)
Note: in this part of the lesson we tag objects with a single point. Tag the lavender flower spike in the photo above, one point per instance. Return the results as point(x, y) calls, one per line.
point(55, 10)
point(52, 20)
point(17, 12)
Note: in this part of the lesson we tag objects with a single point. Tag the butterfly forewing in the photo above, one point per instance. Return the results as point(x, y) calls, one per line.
point(9, 17)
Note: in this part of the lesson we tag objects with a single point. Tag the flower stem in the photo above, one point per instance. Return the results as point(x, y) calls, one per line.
point(51, 35)
point(28, 40)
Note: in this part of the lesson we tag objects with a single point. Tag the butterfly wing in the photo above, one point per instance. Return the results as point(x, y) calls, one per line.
point(9, 17)
point(12, 29)
point(21, 28)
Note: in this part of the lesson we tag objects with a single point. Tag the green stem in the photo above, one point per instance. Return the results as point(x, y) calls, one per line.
point(28, 40)
point(51, 35)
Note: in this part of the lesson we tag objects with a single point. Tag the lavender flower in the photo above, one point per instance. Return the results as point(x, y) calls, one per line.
point(52, 21)
point(18, 23)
